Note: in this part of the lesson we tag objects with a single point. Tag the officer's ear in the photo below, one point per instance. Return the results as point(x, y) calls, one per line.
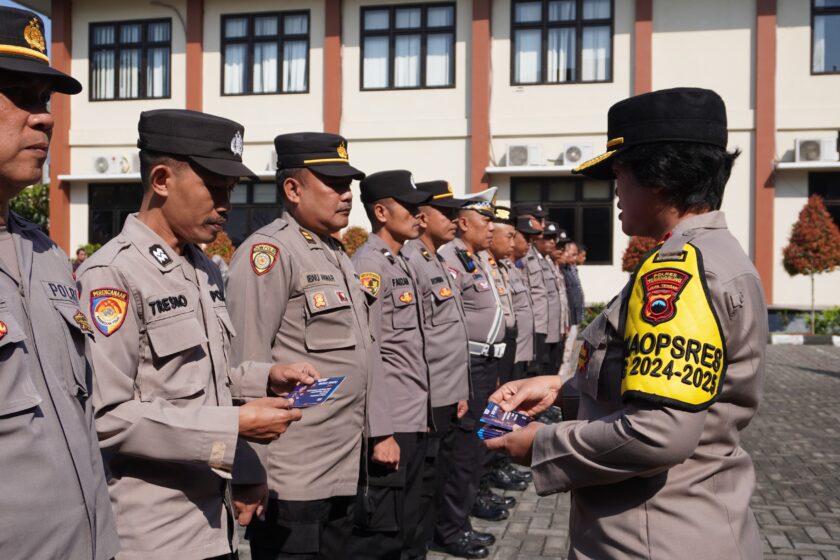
point(381, 211)
point(292, 187)
point(462, 221)
point(161, 177)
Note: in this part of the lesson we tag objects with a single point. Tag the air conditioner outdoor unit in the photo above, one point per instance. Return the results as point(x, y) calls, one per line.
point(575, 153)
point(523, 154)
point(815, 149)
point(116, 164)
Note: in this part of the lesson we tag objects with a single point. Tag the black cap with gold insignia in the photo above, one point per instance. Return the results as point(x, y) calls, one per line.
point(211, 142)
point(321, 152)
point(23, 49)
point(442, 195)
point(669, 115)
point(503, 215)
point(397, 184)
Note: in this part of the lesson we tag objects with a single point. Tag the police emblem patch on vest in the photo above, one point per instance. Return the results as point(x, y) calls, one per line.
point(263, 257)
point(371, 282)
point(675, 352)
point(108, 308)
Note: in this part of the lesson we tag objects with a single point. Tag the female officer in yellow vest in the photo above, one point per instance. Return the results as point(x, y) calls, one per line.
point(673, 369)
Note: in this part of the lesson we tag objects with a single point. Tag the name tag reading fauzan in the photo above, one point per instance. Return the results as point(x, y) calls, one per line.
point(675, 352)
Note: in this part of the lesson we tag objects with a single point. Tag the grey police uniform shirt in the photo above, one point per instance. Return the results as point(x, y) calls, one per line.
point(563, 296)
point(395, 322)
point(537, 281)
point(554, 311)
point(55, 500)
point(654, 481)
point(295, 297)
point(482, 307)
point(502, 282)
point(524, 311)
point(444, 325)
point(162, 393)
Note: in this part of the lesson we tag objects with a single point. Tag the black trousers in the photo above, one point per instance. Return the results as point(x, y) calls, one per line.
point(507, 361)
point(303, 530)
point(520, 370)
point(388, 507)
point(461, 486)
point(436, 470)
point(537, 365)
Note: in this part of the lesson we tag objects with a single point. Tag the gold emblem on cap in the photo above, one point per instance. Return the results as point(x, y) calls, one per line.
point(342, 151)
point(34, 37)
point(502, 214)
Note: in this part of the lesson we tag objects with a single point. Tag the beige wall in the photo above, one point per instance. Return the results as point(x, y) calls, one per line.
point(550, 110)
point(707, 44)
point(107, 123)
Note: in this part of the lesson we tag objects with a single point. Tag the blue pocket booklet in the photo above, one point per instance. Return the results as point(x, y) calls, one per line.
point(304, 396)
point(496, 418)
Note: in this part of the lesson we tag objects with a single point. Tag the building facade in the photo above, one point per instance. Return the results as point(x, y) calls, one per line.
point(506, 93)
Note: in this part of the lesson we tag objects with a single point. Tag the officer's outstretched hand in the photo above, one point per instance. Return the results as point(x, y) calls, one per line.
point(264, 419)
point(518, 445)
point(386, 451)
point(528, 396)
point(284, 377)
point(249, 500)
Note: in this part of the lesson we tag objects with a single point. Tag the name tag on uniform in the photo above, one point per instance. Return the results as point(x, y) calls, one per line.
point(304, 396)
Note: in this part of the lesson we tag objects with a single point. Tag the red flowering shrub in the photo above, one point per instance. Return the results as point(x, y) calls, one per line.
point(353, 238)
point(637, 248)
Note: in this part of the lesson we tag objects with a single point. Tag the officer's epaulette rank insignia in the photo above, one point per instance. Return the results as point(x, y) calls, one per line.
point(675, 352)
point(371, 282)
point(308, 236)
point(263, 257)
point(426, 254)
point(466, 259)
point(388, 256)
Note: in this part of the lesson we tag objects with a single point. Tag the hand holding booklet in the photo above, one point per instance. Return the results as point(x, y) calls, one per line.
point(304, 396)
point(498, 422)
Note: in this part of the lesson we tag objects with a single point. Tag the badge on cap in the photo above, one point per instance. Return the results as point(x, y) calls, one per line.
point(263, 257)
point(3, 329)
point(319, 300)
point(406, 297)
point(371, 282)
point(236, 144)
point(160, 255)
point(82, 321)
point(342, 151)
point(34, 37)
point(108, 307)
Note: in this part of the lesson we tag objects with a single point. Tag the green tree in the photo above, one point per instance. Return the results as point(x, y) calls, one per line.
point(814, 245)
point(33, 203)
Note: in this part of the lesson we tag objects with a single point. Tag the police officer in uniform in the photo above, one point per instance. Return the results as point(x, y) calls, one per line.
point(294, 295)
point(537, 285)
point(445, 336)
point(672, 371)
point(55, 502)
point(162, 375)
point(557, 304)
point(485, 327)
point(388, 507)
point(523, 303)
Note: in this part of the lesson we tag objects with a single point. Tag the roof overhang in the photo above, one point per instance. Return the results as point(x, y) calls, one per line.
point(808, 166)
point(531, 170)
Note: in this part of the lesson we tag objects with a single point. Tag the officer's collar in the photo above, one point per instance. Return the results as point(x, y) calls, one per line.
point(310, 239)
point(379, 244)
point(150, 245)
point(688, 228)
point(17, 223)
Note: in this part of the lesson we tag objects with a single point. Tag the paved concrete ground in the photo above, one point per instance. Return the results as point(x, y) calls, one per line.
point(795, 443)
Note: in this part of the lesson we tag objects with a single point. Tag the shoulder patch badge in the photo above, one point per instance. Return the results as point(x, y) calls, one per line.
point(83, 323)
point(108, 308)
point(263, 257)
point(371, 282)
point(675, 352)
point(160, 255)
